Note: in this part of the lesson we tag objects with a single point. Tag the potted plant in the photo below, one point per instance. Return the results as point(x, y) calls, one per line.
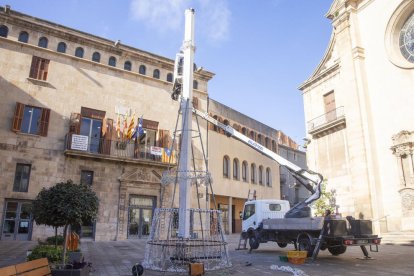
point(62, 205)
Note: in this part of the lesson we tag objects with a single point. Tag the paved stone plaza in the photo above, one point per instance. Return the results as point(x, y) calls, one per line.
point(117, 258)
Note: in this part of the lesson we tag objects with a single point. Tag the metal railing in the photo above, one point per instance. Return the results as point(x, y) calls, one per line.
point(119, 148)
point(326, 118)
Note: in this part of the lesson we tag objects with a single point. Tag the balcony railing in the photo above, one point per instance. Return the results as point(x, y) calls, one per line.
point(326, 119)
point(118, 148)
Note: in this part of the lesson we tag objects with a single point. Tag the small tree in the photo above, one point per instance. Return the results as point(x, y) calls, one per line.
point(64, 204)
point(325, 201)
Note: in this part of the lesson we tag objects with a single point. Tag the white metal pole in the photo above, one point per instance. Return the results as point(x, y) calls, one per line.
point(186, 134)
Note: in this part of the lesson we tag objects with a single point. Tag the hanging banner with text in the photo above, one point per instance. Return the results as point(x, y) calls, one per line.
point(156, 151)
point(79, 142)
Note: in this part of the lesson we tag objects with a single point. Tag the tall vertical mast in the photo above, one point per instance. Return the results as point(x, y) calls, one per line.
point(188, 49)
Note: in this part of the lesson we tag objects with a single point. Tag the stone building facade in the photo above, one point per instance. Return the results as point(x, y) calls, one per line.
point(64, 95)
point(358, 107)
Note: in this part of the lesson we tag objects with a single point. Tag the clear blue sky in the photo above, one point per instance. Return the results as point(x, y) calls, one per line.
point(260, 50)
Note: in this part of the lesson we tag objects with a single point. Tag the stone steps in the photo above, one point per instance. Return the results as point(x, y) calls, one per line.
point(398, 238)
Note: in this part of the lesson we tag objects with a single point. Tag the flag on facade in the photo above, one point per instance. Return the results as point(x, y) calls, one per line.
point(139, 130)
point(131, 128)
point(118, 126)
point(125, 129)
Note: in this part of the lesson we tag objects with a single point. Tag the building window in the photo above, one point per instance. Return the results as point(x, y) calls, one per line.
point(112, 61)
point(4, 31)
point(330, 106)
point(253, 173)
point(236, 169)
point(156, 74)
point(79, 52)
point(31, 119)
point(195, 84)
point(170, 77)
point(43, 42)
point(96, 57)
point(21, 178)
point(86, 177)
point(39, 68)
point(268, 178)
point(252, 135)
point(61, 48)
point(244, 131)
point(261, 175)
point(259, 139)
point(24, 37)
point(244, 171)
point(127, 65)
point(226, 166)
point(142, 69)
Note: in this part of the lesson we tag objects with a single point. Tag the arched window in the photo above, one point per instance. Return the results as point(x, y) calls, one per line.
point(260, 139)
point(226, 122)
point(96, 57)
point(142, 69)
point(43, 42)
point(226, 166)
point(127, 65)
point(24, 37)
point(215, 128)
point(253, 173)
point(195, 84)
point(61, 48)
point(156, 74)
point(244, 131)
point(268, 178)
point(236, 169)
point(170, 77)
point(267, 144)
point(261, 175)
point(273, 145)
point(252, 135)
point(244, 171)
point(79, 52)
point(112, 61)
point(4, 31)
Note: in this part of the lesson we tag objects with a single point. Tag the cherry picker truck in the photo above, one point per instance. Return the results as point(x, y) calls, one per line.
point(274, 220)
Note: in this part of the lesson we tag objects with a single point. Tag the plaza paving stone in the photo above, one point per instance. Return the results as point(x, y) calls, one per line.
point(117, 258)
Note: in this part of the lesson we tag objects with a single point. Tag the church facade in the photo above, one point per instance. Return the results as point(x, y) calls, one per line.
point(358, 107)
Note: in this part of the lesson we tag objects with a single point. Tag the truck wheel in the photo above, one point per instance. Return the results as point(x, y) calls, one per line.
point(282, 244)
point(306, 245)
point(337, 250)
point(254, 242)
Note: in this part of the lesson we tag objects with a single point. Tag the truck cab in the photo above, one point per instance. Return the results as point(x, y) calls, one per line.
point(255, 211)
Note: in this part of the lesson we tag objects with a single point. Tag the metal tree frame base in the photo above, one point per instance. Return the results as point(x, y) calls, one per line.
point(167, 252)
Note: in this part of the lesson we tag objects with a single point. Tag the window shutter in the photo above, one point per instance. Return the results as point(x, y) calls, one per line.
point(74, 124)
point(18, 117)
point(34, 67)
point(44, 66)
point(107, 136)
point(164, 138)
point(44, 122)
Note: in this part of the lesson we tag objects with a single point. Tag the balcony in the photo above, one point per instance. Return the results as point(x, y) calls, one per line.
point(327, 123)
point(116, 150)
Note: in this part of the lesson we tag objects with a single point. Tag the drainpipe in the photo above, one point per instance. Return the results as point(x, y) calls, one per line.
point(119, 203)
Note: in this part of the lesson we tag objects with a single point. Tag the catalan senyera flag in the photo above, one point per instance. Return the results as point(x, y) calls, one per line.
point(131, 128)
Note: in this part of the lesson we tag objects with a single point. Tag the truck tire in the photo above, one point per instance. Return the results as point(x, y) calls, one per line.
point(337, 250)
point(282, 244)
point(305, 244)
point(254, 241)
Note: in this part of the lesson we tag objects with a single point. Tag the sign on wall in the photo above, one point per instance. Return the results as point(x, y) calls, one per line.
point(79, 142)
point(156, 151)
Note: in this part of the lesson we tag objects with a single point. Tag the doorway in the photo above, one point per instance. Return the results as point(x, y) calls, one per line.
point(17, 223)
point(140, 212)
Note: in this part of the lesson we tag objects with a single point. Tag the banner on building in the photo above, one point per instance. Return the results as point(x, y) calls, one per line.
point(79, 142)
point(156, 151)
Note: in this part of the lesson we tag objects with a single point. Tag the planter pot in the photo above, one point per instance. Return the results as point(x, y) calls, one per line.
point(84, 271)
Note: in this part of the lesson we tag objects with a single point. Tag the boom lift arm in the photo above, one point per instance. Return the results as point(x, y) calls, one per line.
point(301, 209)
